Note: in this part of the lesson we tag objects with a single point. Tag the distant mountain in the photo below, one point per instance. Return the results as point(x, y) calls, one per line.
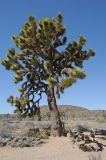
point(75, 112)
point(67, 112)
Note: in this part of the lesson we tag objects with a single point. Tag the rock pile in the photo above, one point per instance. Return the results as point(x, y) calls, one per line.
point(20, 141)
point(86, 141)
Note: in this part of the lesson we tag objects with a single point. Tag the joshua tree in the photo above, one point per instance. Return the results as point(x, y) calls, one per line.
point(43, 67)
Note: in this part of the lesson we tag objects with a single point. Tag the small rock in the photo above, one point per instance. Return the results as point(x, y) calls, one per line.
point(2, 144)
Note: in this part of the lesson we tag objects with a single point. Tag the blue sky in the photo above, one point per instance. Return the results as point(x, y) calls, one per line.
point(81, 17)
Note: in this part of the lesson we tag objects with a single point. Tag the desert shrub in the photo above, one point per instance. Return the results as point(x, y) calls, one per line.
point(48, 115)
point(42, 134)
point(101, 119)
point(33, 132)
point(29, 125)
point(81, 128)
point(43, 124)
point(5, 132)
point(46, 125)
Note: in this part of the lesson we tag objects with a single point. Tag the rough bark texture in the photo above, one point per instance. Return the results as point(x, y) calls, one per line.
point(57, 126)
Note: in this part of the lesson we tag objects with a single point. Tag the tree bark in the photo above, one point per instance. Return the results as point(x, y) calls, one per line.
point(57, 126)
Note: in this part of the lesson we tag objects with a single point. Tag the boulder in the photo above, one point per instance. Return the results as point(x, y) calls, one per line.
point(90, 147)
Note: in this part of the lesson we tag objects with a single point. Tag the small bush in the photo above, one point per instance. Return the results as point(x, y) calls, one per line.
point(30, 125)
point(101, 120)
point(81, 128)
point(37, 133)
point(42, 135)
point(5, 132)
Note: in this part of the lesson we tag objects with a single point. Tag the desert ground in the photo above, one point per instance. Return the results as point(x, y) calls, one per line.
point(54, 149)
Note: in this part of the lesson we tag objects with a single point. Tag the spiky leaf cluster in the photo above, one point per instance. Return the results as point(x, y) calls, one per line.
point(40, 65)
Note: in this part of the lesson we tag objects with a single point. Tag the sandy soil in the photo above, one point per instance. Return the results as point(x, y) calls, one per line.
point(55, 149)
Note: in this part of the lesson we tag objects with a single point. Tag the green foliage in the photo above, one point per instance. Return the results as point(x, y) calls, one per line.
point(48, 66)
point(67, 82)
point(40, 65)
point(81, 40)
point(52, 81)
point(59, 17)
point(77, 73)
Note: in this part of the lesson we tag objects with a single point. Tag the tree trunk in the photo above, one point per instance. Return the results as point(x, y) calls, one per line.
point(57, 126)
